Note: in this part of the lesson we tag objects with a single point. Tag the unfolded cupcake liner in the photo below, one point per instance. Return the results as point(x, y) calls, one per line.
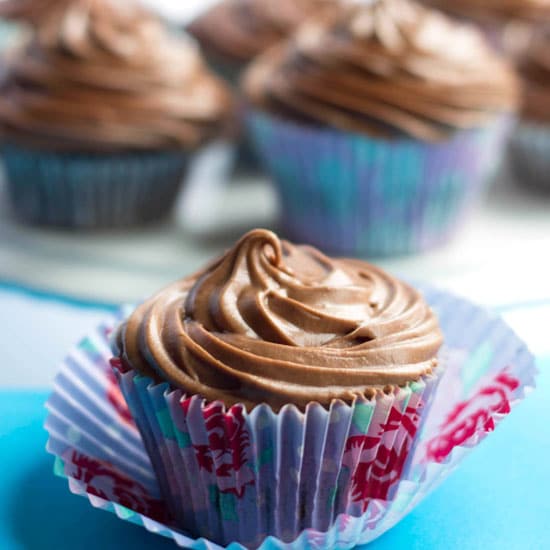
point(88, 191)
point(351, 194)
point(530, 155)
point(488, 372)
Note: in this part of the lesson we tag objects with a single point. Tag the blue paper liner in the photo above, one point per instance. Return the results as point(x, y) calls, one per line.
point(488, 373)
point(89, 191)
point(530, 155)
point(350, 194)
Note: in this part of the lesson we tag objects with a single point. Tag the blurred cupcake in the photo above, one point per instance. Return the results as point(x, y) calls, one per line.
point(380, 124)
point(508, 24)
point(278, 388)
point(99, 113)
point(233, 32)
point(530, 143)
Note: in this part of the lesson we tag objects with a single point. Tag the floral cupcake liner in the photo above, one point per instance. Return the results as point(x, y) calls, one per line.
point(354, 195)
point(232, 475)
point(98, 448)
point(89, 191)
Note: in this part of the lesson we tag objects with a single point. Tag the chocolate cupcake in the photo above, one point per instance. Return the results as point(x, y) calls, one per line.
point(530, 143)
point(233, 32)
point(99, 113)
point(380, 124)
point(264, 383)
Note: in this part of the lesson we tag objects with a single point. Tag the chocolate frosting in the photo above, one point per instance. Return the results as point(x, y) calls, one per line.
point(107, 75)
point(535, 70)
point(277, 323)
point(496, 10)
point(386, 68)
point(31, 11)
point(238, 30)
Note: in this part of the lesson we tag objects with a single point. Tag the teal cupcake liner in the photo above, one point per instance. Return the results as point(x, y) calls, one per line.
point(88, 191)
point(530, 155)
point(351, 194)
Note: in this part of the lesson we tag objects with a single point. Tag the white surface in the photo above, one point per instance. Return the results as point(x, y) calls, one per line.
point(501, 256)
point(36, 334)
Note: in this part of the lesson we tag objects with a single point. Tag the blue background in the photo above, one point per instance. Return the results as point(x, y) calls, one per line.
point(499, 497)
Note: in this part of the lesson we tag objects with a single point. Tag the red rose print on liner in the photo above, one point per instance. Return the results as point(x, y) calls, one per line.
point(225, 455)
point(476, 415)
point(105, 481)
point(373, 476)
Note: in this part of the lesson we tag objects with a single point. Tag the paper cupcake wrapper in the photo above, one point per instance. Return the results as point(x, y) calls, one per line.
point(232, 475)
point(92, 191)
point(489, 370)
point(351, 194)
point(530, 155)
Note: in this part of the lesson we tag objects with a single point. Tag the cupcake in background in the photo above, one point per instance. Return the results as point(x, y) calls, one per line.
point(233, 32)
point(530, 143)
point(508, 24)
point(278, 388)
point(100, 111)
point(380, 123)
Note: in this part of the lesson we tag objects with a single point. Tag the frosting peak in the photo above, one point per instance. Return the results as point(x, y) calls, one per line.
point(277, 323)
point(107, 75)
point(385, 68)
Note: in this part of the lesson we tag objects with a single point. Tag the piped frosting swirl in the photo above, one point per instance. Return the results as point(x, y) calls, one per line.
point(385, 68)
point(108, 75)
point(277, 323)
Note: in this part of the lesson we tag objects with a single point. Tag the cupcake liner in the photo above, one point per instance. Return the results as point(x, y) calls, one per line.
point(530, 155)
point(263, 473)
point(351, 194)
point(88, 191)
point(488, 372)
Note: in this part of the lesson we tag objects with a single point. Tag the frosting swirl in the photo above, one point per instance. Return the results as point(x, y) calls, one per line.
point(107, 75)
point(384, 68)
point(238, 30)
point(277, 323)
point(535, 70)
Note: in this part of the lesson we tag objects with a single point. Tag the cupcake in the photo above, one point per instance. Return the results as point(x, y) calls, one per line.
point(278, 388)
point(233, 32)
point(507, 23)
point(530, 143)
point(100, 111)
point(380, 124)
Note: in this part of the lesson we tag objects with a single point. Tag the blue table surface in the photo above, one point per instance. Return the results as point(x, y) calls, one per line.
point(499, 497)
